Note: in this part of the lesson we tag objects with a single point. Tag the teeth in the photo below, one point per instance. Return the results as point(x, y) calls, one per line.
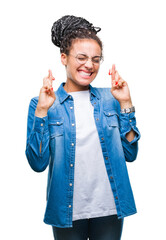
point(84, 73)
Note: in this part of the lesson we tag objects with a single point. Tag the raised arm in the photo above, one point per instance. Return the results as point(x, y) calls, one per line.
point(37, 144)
point(128, 129)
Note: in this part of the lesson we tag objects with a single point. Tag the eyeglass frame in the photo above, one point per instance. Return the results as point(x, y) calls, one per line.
point(101, 58)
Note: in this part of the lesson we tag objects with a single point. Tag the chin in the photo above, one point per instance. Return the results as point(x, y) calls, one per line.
point(84, 82)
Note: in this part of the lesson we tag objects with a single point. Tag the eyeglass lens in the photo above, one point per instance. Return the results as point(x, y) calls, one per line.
point(84, 58)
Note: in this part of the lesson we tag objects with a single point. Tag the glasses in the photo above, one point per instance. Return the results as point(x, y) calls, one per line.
point(82, 59)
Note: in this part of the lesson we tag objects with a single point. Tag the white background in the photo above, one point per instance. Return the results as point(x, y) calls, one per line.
point(133, 33)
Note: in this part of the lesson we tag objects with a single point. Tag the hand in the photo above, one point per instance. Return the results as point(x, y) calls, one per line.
point(120, 89)
point(46, 96)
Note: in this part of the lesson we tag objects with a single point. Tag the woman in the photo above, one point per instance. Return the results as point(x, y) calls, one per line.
point(85, 135)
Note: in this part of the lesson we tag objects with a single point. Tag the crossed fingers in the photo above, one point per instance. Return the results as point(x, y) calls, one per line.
point(117, 81)
point(47, 82)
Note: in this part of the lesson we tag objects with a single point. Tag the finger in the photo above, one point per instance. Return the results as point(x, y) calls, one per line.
point(115, 84)
point(113, 71)
point(50, 75)
point(117, 81)
point(114, 87)
point(51, 78)
point(120, 83)
point(47, 90)
point(47, 82)
point(117, 76)
point(50, 92)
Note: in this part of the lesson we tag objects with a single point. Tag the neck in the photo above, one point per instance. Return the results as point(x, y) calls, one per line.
point(71, 87)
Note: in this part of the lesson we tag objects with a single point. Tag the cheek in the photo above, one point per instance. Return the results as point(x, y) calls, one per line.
point(72, 67)
point(97, 69)
point(71, 71)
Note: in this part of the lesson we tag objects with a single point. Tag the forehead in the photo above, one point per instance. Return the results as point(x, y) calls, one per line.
point(87, 46)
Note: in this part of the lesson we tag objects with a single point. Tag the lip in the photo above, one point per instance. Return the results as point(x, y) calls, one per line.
point(85, 76)
point(85, 71)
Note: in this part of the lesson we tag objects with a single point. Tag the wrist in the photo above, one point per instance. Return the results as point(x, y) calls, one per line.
point(41, 112)
point(128, 110)
point(124, 105)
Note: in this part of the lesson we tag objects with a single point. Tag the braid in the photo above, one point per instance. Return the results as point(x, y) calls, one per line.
point(68, 28)
point(77, 34)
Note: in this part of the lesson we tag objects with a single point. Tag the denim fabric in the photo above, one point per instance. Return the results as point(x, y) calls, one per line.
point(56, 134)
point(101, 228)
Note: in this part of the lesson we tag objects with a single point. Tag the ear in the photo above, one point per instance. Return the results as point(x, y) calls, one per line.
point(64, 59)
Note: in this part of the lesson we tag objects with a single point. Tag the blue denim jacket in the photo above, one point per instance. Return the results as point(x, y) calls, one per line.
point(56, 133)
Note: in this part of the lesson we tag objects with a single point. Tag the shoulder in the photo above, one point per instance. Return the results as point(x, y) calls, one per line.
point(107, 99)
point(104, 93)
point(33, 102)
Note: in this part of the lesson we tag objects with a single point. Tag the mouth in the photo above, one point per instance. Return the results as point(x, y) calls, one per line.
point(85, 74)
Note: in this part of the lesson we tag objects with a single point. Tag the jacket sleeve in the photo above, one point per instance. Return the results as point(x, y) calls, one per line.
point(37, 143)
point(128, 123)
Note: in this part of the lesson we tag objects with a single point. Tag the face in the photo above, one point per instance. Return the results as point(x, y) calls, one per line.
point(80, 75)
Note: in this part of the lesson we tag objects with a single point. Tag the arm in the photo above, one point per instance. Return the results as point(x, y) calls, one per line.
point(128, 131)
point(129, 135)
point(37, 145)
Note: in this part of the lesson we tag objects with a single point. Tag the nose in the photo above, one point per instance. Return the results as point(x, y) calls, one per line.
point(89, 63)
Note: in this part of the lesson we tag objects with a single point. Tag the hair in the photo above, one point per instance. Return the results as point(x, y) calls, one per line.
point(69, 28)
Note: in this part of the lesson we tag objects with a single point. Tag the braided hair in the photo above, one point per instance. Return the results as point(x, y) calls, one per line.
point(68, 28)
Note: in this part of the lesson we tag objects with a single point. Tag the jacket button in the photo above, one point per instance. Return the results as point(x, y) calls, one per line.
point(71, 165)
point(69, 206)
point(111, 177)
point(106, 158)
point(71, 107)
point(102, 139)
point(41, 124)
point(73, 124)
point(116, 197)
point(97, 119)
point(70, 184)
point(72, 144)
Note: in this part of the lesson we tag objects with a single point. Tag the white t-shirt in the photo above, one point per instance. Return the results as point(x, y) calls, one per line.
point(93, 195)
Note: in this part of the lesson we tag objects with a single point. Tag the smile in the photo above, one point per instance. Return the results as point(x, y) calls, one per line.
point(85, 74)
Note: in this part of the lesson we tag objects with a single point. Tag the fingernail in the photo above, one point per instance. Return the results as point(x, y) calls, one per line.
point(116, 83)
point(52, 89)
point(110, 73)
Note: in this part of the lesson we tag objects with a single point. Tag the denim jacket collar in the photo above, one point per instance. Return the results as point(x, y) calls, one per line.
point(63, 95)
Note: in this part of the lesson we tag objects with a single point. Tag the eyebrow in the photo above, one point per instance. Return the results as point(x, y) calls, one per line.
point(84, 54)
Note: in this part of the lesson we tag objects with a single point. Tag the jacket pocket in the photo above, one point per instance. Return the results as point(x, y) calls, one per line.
point(112, 118)
point(55, 127)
